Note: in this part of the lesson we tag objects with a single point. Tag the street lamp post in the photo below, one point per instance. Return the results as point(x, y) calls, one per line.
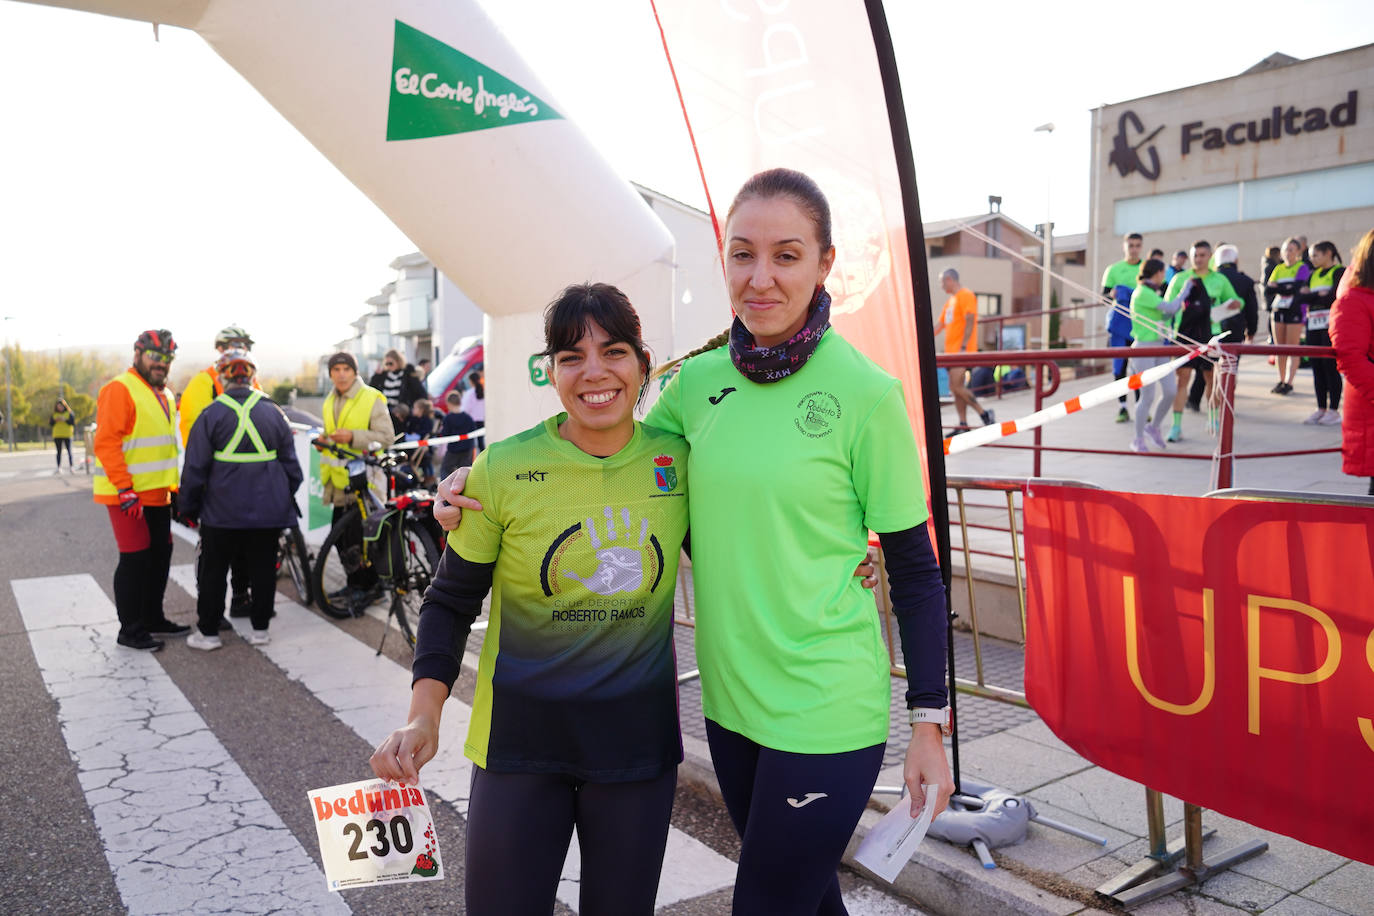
point(1047, 234)
point(9, 401)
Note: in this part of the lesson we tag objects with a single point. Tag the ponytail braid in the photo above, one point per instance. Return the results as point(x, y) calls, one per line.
point(719, 340)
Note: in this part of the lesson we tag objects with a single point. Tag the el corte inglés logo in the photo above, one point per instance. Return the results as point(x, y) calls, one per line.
point(438, 90)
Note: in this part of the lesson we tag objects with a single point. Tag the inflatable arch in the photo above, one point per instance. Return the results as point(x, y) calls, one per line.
point(427, 109)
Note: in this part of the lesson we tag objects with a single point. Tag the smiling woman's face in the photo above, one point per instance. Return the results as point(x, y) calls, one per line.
point(598, 380)
point(773, 264)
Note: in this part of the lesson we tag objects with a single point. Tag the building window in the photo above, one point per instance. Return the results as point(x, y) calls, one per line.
point(1340, 188)
point(937, 251)
point(989, 303)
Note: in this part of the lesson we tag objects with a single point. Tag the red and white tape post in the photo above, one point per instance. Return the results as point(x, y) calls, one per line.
point(1109, 392)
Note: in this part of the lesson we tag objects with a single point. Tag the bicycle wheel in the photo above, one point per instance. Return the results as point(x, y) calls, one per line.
point(292, 557)
point(421, 556)
point(329, 578)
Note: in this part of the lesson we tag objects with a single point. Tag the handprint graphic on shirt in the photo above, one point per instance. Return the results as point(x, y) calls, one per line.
point(618, 568)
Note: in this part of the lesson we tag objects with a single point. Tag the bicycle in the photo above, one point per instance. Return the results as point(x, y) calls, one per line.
point(295, 560)
point(396, 539)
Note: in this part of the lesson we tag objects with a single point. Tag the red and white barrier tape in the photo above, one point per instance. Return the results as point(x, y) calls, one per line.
point(314, 431)
point(1109, 392)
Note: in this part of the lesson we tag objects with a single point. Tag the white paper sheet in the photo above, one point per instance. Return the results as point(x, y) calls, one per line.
point(893, 840)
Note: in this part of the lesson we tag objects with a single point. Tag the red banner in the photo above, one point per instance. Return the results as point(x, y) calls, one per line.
point(797, 85)
point(1218, 650)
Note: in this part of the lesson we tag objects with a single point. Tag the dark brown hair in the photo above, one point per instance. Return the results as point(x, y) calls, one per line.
point(569, 317)
point(1330, 248)
point(796, 187)
point(1362, 261)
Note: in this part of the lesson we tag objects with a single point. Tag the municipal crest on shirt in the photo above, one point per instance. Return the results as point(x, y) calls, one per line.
point(665, 475)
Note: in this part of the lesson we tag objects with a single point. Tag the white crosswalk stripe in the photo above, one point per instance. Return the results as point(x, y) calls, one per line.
point(370, 693)
point(184, 830)
point(163, 788)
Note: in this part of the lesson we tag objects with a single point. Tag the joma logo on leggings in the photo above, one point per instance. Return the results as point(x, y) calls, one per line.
point(810, 797)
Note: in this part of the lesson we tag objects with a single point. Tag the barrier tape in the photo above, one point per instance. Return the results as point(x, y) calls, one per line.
point(1102, 395)
point(314, 431)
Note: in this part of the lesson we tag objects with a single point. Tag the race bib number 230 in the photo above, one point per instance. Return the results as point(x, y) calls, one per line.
point(375, 832)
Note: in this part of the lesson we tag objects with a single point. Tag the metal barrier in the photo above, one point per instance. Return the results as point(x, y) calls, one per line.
point(1046, 363)
point(1154, 875)
point(960, 485)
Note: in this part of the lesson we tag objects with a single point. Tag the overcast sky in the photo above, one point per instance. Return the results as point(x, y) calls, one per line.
point(145, 183)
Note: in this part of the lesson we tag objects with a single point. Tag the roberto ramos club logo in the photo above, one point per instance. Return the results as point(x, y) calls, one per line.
point(438, 90)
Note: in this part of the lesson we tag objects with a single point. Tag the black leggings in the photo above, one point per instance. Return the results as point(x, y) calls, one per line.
point(795, 814)
point(251, 551)
point(1326, 378)
point(140, 578)
point(60, 442)
point(519, 826)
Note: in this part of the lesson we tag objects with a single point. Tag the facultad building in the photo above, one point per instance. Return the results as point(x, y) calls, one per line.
point(1284, 149)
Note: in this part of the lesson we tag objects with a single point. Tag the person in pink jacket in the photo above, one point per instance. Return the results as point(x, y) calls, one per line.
point(1352, 334)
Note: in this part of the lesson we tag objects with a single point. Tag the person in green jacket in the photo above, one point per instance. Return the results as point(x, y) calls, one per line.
point(1152, 325)
point(1197, 323)
point(63, 423)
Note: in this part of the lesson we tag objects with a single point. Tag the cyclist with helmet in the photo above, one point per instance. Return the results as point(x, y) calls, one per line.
point(239, 481)
point(135, 476)
point(200, 391)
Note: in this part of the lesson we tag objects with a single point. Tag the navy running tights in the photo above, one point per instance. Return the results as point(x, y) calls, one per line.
point(795, 814)
point(519, 826)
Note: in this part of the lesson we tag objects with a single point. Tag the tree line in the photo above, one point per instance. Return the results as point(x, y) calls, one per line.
point(37, 379)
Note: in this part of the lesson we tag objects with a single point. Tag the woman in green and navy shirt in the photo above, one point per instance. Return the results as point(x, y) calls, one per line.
point(574, 723)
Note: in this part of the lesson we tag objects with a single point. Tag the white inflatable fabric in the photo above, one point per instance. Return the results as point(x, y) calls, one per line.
point(427, 109)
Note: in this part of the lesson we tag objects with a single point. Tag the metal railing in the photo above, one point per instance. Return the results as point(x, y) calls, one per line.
point(1048, 376)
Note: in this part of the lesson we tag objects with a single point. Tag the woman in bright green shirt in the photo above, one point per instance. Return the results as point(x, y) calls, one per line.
point(1152, 325)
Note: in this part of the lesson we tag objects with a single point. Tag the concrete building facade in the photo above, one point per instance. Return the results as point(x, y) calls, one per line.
point(1005, 287)
point(1284, 149)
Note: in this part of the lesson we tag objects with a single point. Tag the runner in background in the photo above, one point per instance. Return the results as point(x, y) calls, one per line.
point(574, 724)
point(1287, 282)
point(200, 393)
point(1119, 284)
point(1149, 311)
point(1326, 378)
point(239, 480)
point(959, 322)
point(1197, 323)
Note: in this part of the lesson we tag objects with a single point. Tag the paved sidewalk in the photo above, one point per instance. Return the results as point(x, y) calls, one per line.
point(1053, 872)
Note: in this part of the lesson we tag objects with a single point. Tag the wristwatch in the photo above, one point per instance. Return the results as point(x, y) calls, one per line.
point(941, 717)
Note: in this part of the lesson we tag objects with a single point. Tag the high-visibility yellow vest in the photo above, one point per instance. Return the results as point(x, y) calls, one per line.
point(150, 448)
point(246, 428)
point(62, 429)
point(357, 411)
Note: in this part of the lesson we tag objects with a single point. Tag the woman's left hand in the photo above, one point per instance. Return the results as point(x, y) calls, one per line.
point(926, 764)
point(867, 571)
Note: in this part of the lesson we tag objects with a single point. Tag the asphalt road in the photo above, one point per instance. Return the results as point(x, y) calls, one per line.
point(86, 833)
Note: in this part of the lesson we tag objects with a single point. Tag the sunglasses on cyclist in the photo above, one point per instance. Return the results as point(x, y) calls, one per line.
point(158, 356)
